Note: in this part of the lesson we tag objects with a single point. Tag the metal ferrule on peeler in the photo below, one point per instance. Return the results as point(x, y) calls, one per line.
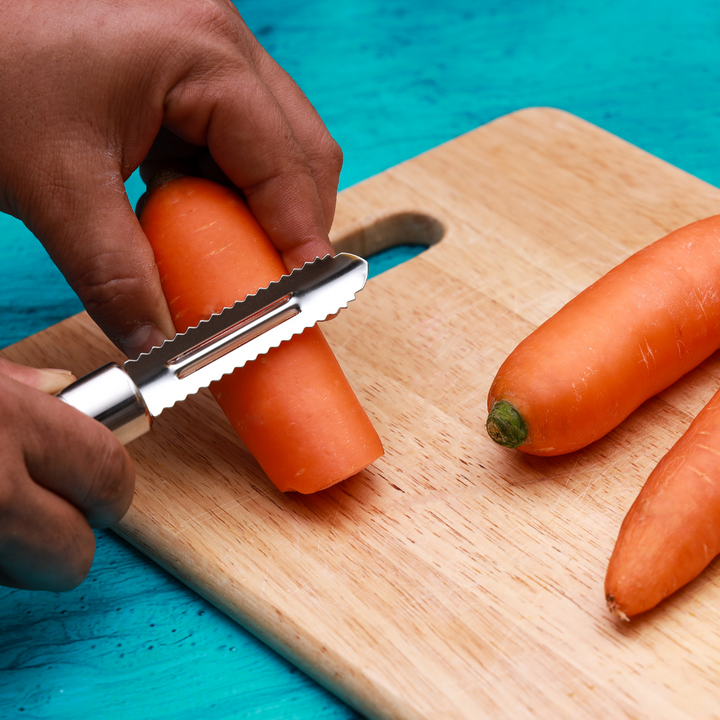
point(126, 398)
point(110, 396)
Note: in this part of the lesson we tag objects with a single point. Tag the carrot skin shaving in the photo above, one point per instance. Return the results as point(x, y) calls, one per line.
point(625, 338)
point(293, 407)
point(671, 533)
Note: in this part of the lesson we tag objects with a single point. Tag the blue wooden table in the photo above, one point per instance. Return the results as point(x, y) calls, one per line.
point(391, 78)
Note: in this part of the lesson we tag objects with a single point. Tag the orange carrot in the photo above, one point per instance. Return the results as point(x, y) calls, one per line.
point(293, 407)
point(672, 530)
point(622, 340)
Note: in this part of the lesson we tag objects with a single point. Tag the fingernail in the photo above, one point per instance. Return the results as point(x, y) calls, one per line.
point(53, 380)
point(142, 339)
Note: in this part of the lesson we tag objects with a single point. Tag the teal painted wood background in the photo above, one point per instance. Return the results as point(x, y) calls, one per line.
point(391, 79)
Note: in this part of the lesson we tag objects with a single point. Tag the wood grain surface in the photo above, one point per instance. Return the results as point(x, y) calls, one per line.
point(453, 579)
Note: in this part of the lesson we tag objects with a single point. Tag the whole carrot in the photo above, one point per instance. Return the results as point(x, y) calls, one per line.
point(626, 337)
point(293, 407)
point(672, 530)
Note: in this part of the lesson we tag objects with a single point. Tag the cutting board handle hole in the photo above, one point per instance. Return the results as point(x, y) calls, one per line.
point(392, 239)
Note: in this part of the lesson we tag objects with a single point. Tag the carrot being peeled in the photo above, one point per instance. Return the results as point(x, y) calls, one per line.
point(625, 338)
point(293, 407)
point(672, 531)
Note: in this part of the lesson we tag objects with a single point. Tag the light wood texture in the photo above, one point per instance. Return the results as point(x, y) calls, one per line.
point(453, 579)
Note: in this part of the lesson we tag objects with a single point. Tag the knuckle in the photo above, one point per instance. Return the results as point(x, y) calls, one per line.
point(77, 564)
point(106, 294)
point(111, 486)
point(326, 156)
point(210, 18)
point(333, 154)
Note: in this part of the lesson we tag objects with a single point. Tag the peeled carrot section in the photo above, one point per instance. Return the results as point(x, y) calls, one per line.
point(293, 408)
point(625, 338)
point(671, 533)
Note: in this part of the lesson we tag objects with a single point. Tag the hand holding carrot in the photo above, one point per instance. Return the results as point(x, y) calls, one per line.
point(91, 90)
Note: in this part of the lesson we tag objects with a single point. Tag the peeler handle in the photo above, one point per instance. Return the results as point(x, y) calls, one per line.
point(109, 395)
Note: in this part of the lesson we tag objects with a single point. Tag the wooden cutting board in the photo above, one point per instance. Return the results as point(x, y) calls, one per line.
point(454, 579)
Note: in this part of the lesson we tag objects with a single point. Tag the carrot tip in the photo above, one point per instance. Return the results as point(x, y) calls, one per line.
point(505, 425)
point(614, 608)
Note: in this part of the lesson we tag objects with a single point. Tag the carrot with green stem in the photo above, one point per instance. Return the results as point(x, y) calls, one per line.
point(293, 407)
point(672, 531)
point(625, 338)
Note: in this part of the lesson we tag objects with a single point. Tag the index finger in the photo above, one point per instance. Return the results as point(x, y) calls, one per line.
point(253, 142)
